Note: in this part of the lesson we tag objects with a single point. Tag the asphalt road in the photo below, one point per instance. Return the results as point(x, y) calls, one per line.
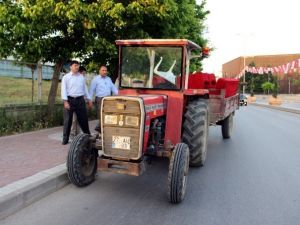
point(253, 178)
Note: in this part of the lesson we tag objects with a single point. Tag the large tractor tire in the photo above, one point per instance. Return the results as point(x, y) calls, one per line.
point(178, 173)
point(81, 161)
point(195, 131)
point(227, 126)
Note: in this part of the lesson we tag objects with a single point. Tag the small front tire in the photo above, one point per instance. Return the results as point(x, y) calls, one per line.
point(81, 161)
point(178, 173)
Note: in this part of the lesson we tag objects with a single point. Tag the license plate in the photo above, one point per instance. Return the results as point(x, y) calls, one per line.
point(111, 119)
point(121, 142)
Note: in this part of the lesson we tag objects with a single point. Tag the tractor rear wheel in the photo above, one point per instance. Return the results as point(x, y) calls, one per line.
point(178, 173)
point(195, 131)
point(227, 126)
point(81, 161)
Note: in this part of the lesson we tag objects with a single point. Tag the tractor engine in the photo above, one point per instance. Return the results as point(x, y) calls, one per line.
point(156, 134)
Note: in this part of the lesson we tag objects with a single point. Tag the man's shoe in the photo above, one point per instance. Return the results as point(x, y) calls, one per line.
point(65, 141)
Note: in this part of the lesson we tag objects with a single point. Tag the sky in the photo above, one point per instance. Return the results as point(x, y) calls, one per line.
point(250, 27)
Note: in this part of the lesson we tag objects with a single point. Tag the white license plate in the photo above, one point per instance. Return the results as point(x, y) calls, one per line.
point(121, 142)
point(111, 119)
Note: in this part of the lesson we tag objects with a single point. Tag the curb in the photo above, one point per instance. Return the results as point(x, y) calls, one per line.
point(276, 107)
point(22, 193)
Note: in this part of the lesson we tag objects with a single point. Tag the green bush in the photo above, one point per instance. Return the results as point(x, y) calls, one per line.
point(267, 86)
point(17, 119)
point(22, 118)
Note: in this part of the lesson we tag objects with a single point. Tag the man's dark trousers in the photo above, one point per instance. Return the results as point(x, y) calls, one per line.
point(78, 106)
point(98, 101)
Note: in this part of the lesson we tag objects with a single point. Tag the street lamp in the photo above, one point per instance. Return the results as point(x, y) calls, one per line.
point(244, 37)
point(244, 79)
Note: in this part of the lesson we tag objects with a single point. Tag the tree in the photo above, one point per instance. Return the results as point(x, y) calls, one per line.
point(267, 86)
point(146, 19)
point(276, 87)
point(56, 31)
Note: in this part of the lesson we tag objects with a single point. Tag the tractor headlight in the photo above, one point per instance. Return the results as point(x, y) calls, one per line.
point(111, 119)
point(132, 120)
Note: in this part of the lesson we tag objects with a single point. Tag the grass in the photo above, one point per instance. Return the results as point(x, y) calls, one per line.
point(18, 90)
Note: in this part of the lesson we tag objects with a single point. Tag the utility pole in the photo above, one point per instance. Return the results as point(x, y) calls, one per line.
point(39, 81)
point(244, 42)
point(244, 79)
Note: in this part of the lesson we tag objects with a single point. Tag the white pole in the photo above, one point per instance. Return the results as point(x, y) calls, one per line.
point(39, 81)
point(244, 42)
point(244, 79)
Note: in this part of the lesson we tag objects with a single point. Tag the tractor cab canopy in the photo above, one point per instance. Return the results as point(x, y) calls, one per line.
point(154, 63)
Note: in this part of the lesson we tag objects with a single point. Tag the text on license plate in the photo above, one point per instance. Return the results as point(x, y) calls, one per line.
point(120, 142)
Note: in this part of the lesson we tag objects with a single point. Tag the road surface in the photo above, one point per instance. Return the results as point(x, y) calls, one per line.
point(253, 178)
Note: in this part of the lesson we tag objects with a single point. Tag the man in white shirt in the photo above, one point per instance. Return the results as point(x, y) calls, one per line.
point(75, 128)
point(73, 93)
point(102, 86)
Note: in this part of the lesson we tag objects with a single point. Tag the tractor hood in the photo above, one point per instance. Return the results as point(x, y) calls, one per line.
point(155, 105)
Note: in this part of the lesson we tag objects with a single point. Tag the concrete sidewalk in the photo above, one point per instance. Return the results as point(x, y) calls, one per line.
point(32, 165)
point(289, 103)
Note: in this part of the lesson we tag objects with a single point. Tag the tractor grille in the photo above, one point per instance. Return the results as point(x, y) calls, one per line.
point(122, 121)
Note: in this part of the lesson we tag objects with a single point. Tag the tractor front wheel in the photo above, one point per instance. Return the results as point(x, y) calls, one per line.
point(81, 161)
point(178, 173)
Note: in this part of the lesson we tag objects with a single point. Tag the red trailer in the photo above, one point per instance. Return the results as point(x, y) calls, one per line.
point(162, 110)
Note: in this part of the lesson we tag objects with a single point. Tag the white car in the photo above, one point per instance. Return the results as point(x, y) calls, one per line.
point(243, 100)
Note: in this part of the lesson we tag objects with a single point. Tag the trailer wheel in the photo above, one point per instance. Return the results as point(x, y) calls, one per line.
point(178, 173)
point(227, 126)
point(81, 161)
point(195, 131)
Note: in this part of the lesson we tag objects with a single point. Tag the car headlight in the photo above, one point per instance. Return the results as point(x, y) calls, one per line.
point(111, 119)
point(132, 120)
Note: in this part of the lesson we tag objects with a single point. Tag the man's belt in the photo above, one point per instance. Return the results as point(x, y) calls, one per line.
point(75, 97)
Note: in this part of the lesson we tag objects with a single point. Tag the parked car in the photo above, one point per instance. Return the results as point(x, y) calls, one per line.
point(243, 100)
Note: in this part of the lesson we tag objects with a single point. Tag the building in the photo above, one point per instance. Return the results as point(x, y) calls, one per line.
point(236, 66)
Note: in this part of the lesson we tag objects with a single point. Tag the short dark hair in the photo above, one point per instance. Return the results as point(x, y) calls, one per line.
point(74, 62)
point(82, 69)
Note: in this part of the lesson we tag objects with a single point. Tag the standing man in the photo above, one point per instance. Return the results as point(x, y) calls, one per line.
point(73, 92)
point(75, 128)
point(102, 86)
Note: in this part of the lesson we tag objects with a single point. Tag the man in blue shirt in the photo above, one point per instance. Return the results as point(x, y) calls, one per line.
point(102, 86)
point(73, 92)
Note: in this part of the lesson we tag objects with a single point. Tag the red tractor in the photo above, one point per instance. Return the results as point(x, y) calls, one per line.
point(162, 110)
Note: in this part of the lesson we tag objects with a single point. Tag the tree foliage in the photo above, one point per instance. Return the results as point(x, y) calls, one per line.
point(267, 86)
point(255, 81)
point(57, 30)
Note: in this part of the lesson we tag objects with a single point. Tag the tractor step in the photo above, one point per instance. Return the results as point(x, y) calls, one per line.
point(121, 167)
